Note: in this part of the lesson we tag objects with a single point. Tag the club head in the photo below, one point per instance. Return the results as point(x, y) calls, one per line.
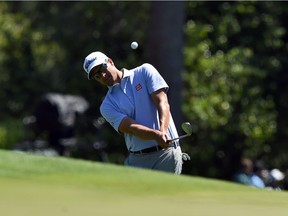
point(187, 128)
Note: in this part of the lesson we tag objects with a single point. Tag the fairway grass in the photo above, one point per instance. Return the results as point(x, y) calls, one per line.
point(50, 186)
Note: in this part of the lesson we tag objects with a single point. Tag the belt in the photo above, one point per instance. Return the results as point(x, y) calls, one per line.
point(147, 150)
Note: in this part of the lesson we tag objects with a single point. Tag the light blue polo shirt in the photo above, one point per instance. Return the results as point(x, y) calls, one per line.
point(132, 98)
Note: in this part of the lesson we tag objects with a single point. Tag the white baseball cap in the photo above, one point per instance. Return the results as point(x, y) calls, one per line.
point(277, 174)
point(92, 60)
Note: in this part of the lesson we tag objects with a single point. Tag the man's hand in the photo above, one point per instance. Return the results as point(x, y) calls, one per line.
point(161, 139)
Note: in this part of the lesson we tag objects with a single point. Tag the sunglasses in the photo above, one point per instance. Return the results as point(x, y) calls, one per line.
point(101, 70)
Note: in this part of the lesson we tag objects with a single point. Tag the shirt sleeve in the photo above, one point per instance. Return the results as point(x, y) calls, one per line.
point(112, 115)
point(154, 81)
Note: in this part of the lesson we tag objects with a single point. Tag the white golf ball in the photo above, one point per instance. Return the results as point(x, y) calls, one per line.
point(134, 45)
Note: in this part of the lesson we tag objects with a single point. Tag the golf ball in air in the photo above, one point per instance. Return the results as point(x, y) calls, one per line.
point(134, 45)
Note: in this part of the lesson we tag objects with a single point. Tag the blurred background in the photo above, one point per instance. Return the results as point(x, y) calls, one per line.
point(225, 62)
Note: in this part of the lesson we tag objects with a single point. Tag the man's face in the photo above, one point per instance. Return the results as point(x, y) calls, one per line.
point(103, 74)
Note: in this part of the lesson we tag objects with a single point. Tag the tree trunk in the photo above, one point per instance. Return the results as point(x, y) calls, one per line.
point(164, 49)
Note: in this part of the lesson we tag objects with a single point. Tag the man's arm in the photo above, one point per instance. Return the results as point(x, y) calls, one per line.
point(129, 125)
point(161, 102)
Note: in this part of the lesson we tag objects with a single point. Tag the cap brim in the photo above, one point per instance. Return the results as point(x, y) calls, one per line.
point(91, 67)
point(89, 76)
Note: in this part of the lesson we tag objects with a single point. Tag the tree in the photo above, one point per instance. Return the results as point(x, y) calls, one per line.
point(231, 56)
point(165, 49)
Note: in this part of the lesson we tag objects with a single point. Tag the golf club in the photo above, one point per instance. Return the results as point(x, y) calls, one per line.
point(187, 128)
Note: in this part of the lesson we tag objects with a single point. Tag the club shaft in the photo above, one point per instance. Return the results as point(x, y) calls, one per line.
point(180, 137)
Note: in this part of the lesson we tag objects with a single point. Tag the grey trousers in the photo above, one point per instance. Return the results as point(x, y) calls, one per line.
point(167, 160)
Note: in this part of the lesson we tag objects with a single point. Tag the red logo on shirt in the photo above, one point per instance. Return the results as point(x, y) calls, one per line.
point(138, 87)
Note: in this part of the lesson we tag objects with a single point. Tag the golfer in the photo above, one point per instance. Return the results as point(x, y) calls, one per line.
point(136, 105)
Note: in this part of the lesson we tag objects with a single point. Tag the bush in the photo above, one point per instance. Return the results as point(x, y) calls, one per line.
point(11, 133)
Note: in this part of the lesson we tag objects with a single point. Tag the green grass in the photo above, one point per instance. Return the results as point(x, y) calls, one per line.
point(42, 186)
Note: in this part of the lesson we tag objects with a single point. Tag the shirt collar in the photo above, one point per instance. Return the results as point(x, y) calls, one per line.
point(126, 72)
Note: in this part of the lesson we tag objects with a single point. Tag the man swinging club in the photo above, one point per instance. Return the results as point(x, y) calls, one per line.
point(136, 105)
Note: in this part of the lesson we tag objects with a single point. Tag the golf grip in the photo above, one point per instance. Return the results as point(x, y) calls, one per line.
point(180, 137)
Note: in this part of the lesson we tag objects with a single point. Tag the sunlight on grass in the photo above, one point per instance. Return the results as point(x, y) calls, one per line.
point(37, 185)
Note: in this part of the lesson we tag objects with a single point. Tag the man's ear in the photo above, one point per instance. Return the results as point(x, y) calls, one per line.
point(110, 61)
